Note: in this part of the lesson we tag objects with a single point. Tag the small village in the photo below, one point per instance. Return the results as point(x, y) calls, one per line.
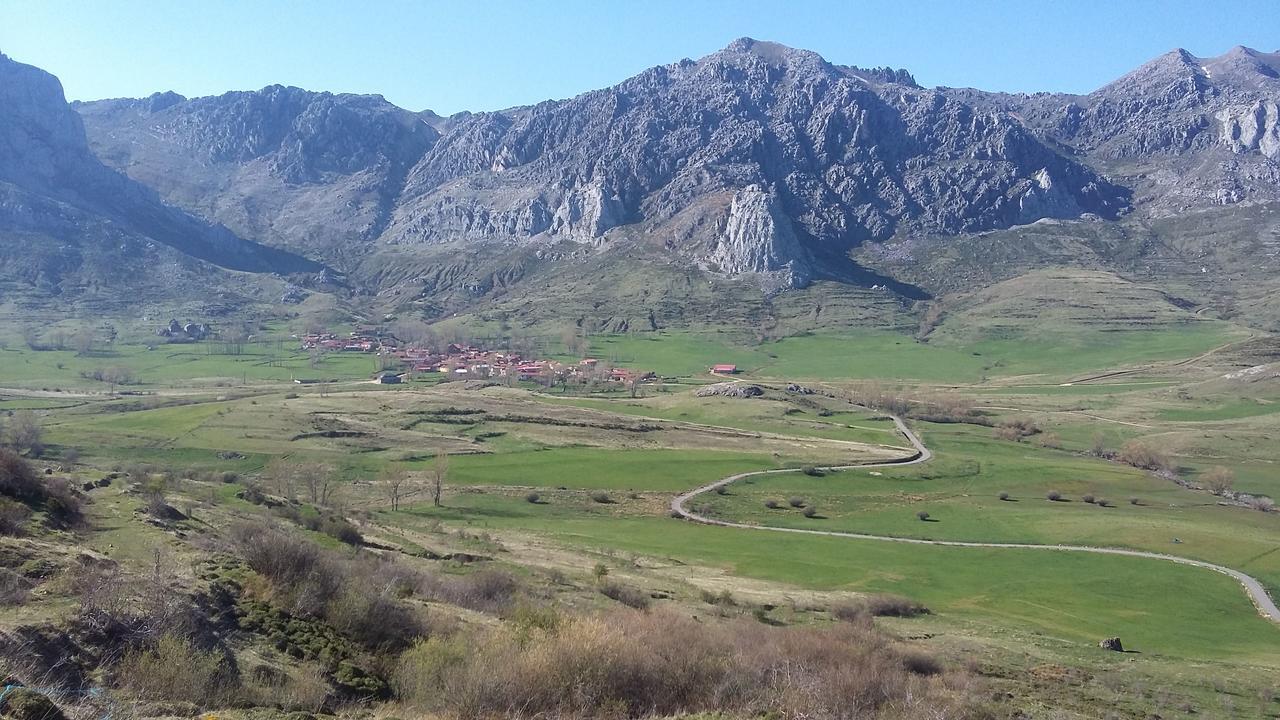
point(468, 362)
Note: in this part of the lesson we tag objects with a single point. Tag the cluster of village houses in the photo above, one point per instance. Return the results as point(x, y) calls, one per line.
point(468, 361)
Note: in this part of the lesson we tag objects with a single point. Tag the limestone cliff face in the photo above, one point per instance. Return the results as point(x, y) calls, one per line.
point(1252, 129)
point(758, 239)
point(848, 155)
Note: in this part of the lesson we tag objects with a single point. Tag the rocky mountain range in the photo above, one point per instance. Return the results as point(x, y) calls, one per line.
point(67, 221)
point(758, 165)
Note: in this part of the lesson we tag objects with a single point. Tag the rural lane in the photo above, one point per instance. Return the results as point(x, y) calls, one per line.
point(1261, 600)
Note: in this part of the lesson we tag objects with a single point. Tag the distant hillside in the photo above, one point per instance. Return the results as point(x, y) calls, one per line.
point(70, 225)
point(760, 173)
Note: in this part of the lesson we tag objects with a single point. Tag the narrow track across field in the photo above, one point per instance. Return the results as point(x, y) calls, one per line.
point(1257, 593)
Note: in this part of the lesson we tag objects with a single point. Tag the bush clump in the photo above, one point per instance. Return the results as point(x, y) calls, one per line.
point(1003, 496)
point(796, 502)
point(772, 504)
point(601, 497)
point(1053, 495)
point(532, 498)
point(631, 664)
point(13, 517)
point(879, 605)
point(629, 596)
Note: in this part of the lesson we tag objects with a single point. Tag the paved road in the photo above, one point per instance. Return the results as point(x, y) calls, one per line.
point(1263, 602)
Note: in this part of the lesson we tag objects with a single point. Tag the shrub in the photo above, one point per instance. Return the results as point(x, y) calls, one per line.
point(722, 489)
point(1103, 502)
point(1053, 495)
point(22, 703)
point(532, 498)
point(600, 570)
point(1140, 455)
point(630, 664)
point(812, 471)
point(796, 502)
point(811, 512)
point(1004, 496)
point(1135, 501)
point(629, 596)
point(61, 502)
point(601, 497)
point(339, 529)
point(175, 670)
point(869, 606)
point(922, 515)
point(18, 479)
point(772, 504)
point(1263, 503)
point(14, 588)
point(1087, 497)
point(13, 517)
point(1219, 480)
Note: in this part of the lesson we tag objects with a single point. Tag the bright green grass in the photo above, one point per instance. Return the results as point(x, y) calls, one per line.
point(603, 469)
point(880, 354)
point(1239, 409)
point(1158, 608)
point(756, 415)
point(960, 491)
point(176, 365)
point(1099, 388)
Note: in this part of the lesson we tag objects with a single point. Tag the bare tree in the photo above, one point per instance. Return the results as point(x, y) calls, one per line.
point(25, 433)
point(283, 478)
point(235, 339)
point(31, 336)
point(84, 340)
point(395, 484)
point(439, 472)
point(319, 480)
point(117, 375)
point(1219, 480)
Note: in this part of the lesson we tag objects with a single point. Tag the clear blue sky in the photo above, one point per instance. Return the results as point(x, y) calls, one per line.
point(491, 54)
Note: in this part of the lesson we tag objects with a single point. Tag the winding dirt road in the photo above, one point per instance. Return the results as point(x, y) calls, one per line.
point(1261, 600)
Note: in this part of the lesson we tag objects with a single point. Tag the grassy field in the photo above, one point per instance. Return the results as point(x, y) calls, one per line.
point(878, 354)
point(224, 412)
point(1073, 598)
point(960, 492)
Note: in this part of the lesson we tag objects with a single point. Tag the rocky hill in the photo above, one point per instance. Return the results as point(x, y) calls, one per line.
point(1185, 132)
point(69, 223)
point(758, 159)
point(758, 165)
